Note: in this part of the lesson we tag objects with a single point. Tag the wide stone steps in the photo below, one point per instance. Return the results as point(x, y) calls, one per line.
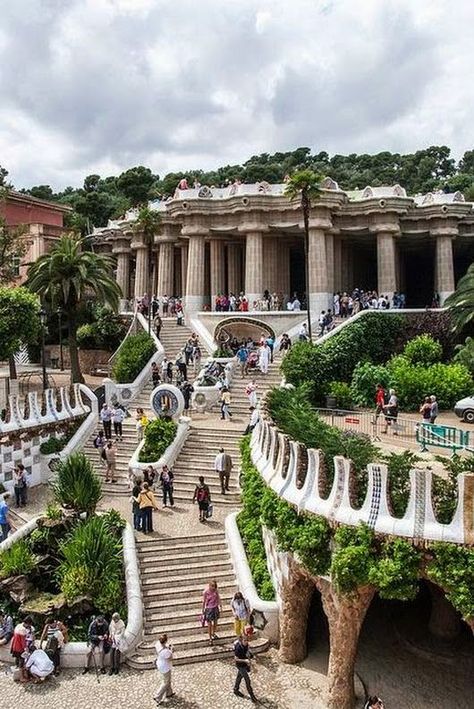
point(225, 632)
point(166, 562)
point(222, 575)
point(186, 629)
point(207, 542)
point(156, 597)
point(166, 608)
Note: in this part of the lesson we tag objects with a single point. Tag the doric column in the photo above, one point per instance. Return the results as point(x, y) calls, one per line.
point(317, 287)
point(386, 265)
point(184, 267)
point(141, 270)
point(337, 264)
point(165, 269)
point(444, 275)
point(283, 286)
point(234, 268)
point(253, 267)
point(330, 262)
point(217, 269)
point(271, 279)
point(123, 273)
point(195, 295)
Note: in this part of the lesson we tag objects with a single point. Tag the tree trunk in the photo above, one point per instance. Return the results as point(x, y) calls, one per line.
point(12, 366)
point(345, 614)
point(76, 374)
point(295, 602)
point(444, 622)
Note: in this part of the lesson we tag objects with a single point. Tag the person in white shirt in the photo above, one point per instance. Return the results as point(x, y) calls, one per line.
point(303, 333)
point(296, 304)
point(164, 662)
point(38, 664)
point(116, 633)
point(118, 415)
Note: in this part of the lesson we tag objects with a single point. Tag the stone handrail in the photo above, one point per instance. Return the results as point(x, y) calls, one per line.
point(74, 654)
point(169, 456)
point(125, 393)
point(268, 609)
point(296, 473)
point(211, 394)
point(16, 419)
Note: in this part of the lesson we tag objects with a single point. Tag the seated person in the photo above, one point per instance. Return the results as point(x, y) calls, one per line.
point(6, 628)
point(38, 665)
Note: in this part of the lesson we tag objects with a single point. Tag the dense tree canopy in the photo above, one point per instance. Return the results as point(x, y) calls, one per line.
point(102, 198)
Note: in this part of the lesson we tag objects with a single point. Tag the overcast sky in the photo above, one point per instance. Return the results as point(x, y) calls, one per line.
point(101, 85)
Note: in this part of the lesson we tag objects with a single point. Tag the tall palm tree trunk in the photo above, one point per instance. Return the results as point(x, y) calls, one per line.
point(76, 374)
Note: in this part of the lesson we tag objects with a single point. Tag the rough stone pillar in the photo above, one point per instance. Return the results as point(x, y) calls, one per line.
point(165, 269)
point(317, 288)
point(386, 264)
point(217, 270)
point(254, 267)
point(345, 614)
point(330, 264)
point(195, 295)
point(271, 279)
point(123, 273)
point(234, 268)
point(445, 621)
point(184, 267)
point(296, 596)
point(444, 277)
point(337, 264)
point(141, 271)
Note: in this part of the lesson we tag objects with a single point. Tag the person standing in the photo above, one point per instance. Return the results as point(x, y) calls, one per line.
point(253, 420)
point(425, 410)
point(142, 422)
point(197, 356)
point(187, 390)
point(242, 354)
point(137, 517)
point(4, 517)
point(264, 357)
point(202, 495)
point(164, 663)
point(241, 613)
point(391, 412)
point(99, 445)
point(54, 636)
point(251, 391)
point(285, 342)
point(242, 657)
point(118, 416)
point(223, 465)
point(155, 375)
point(166, 482)
point(147, 503)
point(106, 420)
point(379, 401)
point(20, 485)
point(225, 404)
point(6, 628)
point(110, 452)
point(157, 324)
point(116, 633)
point(434, 409)
point(97, 635)
point(211, 609)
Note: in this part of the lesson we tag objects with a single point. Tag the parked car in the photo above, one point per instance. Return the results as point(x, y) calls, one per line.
point(464, 408)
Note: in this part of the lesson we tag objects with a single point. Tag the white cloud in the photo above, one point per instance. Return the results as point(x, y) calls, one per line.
point(100, 85)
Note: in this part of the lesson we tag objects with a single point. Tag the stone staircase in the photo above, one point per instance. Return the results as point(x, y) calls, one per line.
point(239, 401)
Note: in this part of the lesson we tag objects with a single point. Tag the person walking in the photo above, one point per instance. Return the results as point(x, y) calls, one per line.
point(202, 495)
point(253, 420)
point(251, 392)
point(303, 335)
point(157, 324)
point(225, 404)
point(242, 355)
point(97, 637)
point(20, 485)
point(241, 613)
point(4, 516)
point(211, 609)
point(425, 410)
point(118, 415)
point(434, 409)
point(116, 639)
point(137, 517)
point(99, 444)
point(166, 482)
point(223, 465)
point(147, 503)
point(242, 657)
point(106, 420)
point(379, 401)
point(197, 356)
point(391, 412)
point(142, 421)
point(110, 452)
point(164, 663)
point(155, 375)
point(187, 390)
point(264, 358)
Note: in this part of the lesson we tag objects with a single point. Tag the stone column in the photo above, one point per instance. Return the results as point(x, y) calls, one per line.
point(166, 269)
point(195, 295)
point(184, 267)
point(337, 264)
point(271, 279)
point(234, 268)
point(217, 269)
point(386, 264)
point(283, 286)
point(141, 271)
point(296, 596)
point(317, 288)
point(123, 275)
point(330, 264)
point(444, 275)
point(253, 267)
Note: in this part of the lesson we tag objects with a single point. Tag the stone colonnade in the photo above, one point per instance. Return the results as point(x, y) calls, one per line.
point(201, 265)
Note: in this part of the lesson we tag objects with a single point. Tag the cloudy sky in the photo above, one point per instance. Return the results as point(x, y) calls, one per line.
point(101, 85)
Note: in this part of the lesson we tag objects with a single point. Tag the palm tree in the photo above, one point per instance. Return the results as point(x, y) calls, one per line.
point(305, 185)
point(148, 223)
point(461, 302)
point(65, 276)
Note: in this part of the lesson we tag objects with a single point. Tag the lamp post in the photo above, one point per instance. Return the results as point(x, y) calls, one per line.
point(59, 313)
point(43, 318)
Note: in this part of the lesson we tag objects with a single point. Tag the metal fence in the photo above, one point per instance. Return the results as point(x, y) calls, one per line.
point(380, 428)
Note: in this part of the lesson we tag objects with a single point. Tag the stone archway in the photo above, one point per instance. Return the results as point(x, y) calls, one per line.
point(242, 328)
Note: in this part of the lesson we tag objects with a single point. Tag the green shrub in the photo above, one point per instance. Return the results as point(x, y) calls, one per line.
point(423, 350)
point(399, 466)
point(465, 354)
point(452, 568)
point(18, 560)
point(52, 445)
point(134, 355)
point(76, 484)
point(87, 337)
point(342, 393)
point(159, 434)
point(395, 573)
point(364, 380)
point(105, 331)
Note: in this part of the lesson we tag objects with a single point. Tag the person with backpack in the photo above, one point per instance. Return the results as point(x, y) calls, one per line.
point(53, 638)
point(118, 415)
point(99, 445)
point(97, 640)
point(202, 496)
point(166, 482)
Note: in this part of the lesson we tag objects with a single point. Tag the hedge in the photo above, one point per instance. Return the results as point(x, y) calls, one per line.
point(159, 434)
point(134, 355)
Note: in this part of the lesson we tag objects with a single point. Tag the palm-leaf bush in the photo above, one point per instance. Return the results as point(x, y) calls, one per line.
point(17, 560)
point(77, 486)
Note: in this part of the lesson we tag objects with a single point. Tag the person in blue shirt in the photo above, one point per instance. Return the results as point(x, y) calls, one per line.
point(242, 354)
point(4, 523)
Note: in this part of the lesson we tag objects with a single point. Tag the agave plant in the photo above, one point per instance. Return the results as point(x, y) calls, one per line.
point(77, 486)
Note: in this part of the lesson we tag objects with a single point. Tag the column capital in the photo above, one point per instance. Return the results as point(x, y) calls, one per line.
point(190, 231)
point(252, 228)
point(444, 227)
point(317, 224)
point(385, 223)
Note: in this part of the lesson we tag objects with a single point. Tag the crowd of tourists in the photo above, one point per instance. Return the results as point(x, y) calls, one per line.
point(347, 303)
